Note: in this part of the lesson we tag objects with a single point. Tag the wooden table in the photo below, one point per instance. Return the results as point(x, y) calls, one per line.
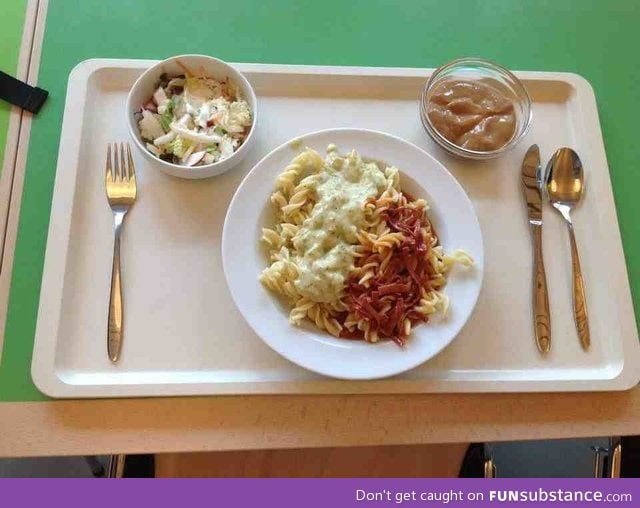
point(228, 423)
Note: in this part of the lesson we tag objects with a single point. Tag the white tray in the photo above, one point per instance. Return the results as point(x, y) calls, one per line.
point(183, 334)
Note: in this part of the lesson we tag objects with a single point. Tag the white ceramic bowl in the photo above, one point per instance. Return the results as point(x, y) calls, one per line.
point(143, 88)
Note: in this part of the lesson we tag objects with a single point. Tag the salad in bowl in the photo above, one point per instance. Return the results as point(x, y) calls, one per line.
point(192, 116)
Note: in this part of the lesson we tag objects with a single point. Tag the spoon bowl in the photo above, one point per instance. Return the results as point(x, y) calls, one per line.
point(565, 178)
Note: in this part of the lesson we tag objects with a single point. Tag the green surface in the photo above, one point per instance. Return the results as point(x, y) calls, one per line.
point(11, 22)
point(593, 38)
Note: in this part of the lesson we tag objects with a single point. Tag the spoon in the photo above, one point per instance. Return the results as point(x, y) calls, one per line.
point(565, 186)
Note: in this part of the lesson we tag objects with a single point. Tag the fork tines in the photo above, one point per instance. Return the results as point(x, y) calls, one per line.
point(118, 167)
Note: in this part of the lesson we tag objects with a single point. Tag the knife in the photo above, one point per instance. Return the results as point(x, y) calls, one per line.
point(533, 197)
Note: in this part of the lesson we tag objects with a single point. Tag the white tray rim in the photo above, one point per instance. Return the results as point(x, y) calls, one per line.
point(50, 307)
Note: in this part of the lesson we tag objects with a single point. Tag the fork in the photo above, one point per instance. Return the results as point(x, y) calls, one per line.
point(120, 184)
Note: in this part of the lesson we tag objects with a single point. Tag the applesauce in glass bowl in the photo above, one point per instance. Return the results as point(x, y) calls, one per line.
point(475, 109)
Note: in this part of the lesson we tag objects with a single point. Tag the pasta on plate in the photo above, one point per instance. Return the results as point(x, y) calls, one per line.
point(353, 253)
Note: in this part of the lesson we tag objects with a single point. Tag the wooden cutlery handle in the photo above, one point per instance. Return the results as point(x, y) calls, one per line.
point(541, 315)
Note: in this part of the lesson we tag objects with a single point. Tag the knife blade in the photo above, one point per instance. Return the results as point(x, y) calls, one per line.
point(531, 185)
point(540, 297)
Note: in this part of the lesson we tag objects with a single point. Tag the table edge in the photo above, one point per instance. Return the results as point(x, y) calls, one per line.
point(268, 422)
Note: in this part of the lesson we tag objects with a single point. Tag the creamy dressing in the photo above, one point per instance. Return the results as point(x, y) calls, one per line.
point(324, 244)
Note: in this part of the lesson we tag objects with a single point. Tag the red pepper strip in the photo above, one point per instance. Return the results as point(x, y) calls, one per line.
point(367, 310)
point(400, 341)
point(407, 264)
point(395, 317)
point(388, 289)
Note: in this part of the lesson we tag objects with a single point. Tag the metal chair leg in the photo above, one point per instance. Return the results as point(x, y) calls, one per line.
point(489, 464)
point(608, 460)
point(599, 460)
point(116, 466)
point(615, 453)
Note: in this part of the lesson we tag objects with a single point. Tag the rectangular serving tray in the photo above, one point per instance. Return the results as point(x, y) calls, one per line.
point(184, 335)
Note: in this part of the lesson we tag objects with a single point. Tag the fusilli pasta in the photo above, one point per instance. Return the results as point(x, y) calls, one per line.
point(351, 252)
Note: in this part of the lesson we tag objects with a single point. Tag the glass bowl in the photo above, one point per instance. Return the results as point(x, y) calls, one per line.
point(478, 69)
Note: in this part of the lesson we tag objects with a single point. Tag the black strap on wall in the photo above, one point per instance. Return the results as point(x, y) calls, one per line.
point(20, 94)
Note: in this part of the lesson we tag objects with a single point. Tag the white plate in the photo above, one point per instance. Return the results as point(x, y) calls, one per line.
point(243, 259)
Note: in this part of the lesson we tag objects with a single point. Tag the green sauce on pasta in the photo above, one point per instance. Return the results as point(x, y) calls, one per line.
point(324, 244)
